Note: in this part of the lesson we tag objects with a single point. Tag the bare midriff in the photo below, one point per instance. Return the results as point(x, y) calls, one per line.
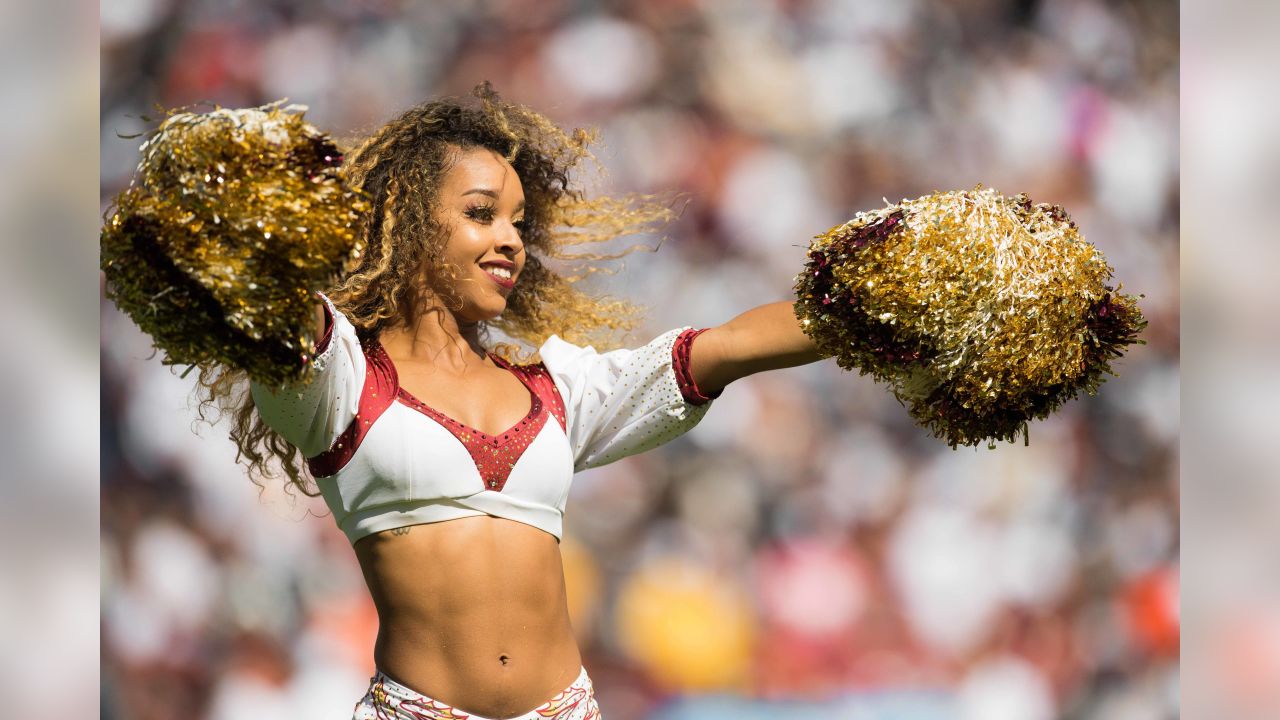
point(472, 612)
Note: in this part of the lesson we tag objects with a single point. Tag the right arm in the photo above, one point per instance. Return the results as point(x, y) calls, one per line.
point(321, 319)
point(313, 412)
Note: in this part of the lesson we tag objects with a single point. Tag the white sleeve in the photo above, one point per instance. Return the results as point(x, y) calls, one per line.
point(622, 402)
point(312, 413)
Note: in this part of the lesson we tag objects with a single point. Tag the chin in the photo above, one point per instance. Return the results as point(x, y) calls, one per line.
point(482, 312)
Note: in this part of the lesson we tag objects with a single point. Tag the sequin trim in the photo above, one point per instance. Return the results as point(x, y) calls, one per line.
point(494, 456)
point(380, 384)
point(538, 379)
point(680, 353)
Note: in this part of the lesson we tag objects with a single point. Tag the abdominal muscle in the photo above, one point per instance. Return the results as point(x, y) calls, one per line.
point(472, 612)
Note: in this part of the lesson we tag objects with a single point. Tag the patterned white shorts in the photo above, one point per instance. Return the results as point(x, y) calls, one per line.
point(389, 700)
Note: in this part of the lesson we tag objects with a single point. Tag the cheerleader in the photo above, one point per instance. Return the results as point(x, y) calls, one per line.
point(445, 458)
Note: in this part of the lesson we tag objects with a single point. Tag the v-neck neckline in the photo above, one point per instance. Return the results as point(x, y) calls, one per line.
point(535, 404)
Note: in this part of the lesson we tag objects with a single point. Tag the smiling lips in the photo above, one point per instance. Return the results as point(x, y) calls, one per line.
point(502, 273)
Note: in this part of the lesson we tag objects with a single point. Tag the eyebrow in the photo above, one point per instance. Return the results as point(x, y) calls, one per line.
point(489, 193)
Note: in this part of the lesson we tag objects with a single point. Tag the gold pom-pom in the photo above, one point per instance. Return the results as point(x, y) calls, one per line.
point(980, 311)
point(234, 219)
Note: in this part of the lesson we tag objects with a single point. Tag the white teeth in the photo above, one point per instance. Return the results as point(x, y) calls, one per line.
point(501, 272)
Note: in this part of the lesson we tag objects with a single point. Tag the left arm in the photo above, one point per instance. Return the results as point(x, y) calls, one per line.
point(625, 402)
point(763, 338)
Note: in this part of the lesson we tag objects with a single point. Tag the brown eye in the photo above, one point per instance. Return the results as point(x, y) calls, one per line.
point(521, 226)
point(480, 213)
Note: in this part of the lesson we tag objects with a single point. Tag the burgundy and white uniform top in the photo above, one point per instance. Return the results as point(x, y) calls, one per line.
point(383, 459)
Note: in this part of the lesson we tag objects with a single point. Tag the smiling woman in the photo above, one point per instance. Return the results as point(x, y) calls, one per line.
point(482, 204)
point(445, 458)
point(436, 178)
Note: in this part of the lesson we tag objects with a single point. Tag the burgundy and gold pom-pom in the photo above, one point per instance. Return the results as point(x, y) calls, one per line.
point(234, 219)
point(981, 312)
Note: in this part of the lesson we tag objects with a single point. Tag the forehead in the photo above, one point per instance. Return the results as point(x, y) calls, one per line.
point(484, 169)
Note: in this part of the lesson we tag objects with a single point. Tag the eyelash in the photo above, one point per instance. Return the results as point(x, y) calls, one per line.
point(482, 213)
point(485, 214)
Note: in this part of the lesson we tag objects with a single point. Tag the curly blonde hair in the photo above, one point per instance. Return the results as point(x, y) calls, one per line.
point(399, 169)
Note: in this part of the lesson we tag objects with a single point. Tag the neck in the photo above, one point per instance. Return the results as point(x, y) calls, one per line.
point(436, 335)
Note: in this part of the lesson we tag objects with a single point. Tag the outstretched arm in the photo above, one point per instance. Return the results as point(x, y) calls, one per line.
point(763, 338)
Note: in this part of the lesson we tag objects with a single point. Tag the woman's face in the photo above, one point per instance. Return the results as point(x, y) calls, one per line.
point(481, 205)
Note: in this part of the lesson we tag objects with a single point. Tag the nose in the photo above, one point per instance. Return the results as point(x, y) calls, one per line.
point(508, 241)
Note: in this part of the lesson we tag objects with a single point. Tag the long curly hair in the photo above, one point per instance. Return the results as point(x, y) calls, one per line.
point(399, 169)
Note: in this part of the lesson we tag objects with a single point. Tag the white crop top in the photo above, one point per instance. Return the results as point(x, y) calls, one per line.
point(383, 459)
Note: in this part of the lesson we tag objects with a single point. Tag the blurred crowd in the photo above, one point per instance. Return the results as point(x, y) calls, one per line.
point(806, 551)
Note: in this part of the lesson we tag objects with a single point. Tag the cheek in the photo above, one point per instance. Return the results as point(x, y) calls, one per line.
point(465, 245)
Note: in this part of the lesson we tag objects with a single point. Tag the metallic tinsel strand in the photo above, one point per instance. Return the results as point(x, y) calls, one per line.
point(980, 311)
point(233, 220)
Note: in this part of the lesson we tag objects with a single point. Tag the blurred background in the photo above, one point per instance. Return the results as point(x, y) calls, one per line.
point(806, 552)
